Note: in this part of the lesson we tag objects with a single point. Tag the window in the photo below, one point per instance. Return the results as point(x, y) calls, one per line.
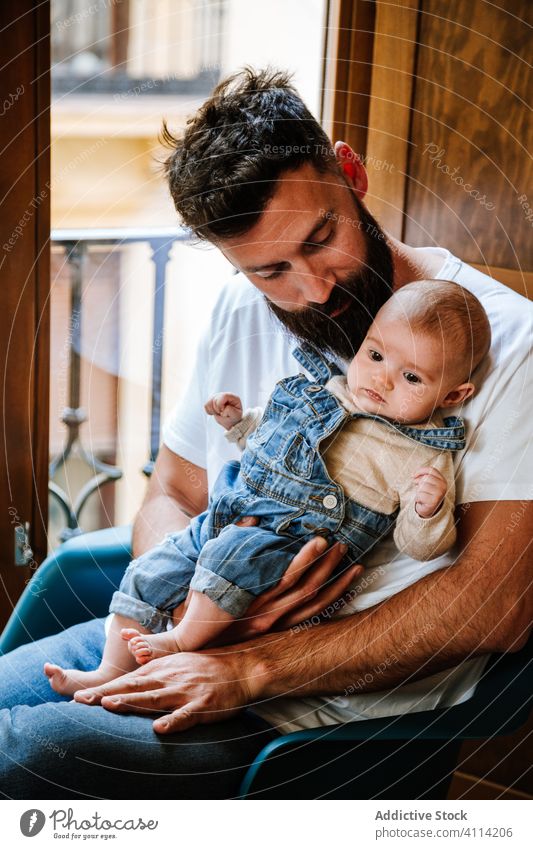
point(110, 46)
point(129, 295)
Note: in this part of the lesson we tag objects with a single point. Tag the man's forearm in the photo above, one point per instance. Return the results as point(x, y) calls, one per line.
point(371, 650)
point(450, 615)
point(176, 492)
point(397, 641)
point(481, 604)
point(158, 516)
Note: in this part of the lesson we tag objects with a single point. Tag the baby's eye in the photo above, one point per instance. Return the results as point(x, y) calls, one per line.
point(410, 377)
point(375, 355)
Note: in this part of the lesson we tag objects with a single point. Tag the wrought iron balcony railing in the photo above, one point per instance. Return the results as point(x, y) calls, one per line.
point(76, 244)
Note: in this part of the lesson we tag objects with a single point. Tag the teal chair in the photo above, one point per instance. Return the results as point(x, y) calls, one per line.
point(73, 585)
point(409, 757)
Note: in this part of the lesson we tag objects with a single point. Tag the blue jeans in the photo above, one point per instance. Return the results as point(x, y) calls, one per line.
point(52, 748)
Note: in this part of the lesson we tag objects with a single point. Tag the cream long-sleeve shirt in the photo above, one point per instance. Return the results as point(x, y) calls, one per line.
point(374, 463)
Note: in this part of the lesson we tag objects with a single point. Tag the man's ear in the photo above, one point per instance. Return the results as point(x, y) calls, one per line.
point(458, 395)
point(352, 167)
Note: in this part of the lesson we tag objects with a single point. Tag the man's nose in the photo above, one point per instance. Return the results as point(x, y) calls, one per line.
point(316, 289)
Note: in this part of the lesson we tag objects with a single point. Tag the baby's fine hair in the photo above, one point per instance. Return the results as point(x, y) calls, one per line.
point(450, 311)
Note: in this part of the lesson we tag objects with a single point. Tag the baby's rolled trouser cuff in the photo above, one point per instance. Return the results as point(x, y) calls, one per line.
point(241, 564)
point(155, 583)
point(154, 620)
point(229, 597)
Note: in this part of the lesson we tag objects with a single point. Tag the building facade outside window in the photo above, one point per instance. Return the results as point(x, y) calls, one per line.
point(118, 69)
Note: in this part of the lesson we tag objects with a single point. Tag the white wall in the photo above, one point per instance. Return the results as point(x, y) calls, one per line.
point(288, 34)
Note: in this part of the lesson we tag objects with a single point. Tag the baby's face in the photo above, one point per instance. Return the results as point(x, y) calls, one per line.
point(399, 373)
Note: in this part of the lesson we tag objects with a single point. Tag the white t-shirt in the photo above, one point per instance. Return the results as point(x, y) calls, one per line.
point(245, 351)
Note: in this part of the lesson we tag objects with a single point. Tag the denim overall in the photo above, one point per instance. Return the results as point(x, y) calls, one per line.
point(283, 481)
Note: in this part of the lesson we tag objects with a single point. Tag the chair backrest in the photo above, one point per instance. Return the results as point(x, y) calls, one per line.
point(504, 695)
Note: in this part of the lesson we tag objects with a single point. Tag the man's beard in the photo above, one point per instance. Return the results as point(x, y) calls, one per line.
point(364, 292)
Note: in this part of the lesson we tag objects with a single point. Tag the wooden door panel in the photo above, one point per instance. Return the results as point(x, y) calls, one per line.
point(24, 233)
point(470, 141)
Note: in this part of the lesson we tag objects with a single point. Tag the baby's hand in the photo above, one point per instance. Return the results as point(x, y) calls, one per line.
point(431, 488)
point(226, 408)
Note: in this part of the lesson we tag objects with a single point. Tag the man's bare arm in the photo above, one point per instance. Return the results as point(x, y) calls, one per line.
point(177, 490)
point(481, 604)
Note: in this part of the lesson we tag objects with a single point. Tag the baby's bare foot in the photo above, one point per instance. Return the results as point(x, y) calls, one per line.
point(145, 647)
point(67, 681)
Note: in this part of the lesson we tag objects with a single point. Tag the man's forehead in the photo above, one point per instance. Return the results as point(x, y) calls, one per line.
point(301, 197)
point(303, 188)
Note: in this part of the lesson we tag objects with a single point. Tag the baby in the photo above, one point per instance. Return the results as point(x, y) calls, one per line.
point(346, 457)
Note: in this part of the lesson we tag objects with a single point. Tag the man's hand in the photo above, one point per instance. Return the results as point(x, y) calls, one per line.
point(226, 408)
point(201, 687)
point(188, 689)
point(431, 488)
point(305, 590)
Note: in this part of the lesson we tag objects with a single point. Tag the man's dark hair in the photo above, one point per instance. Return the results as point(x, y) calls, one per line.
point(223, 169)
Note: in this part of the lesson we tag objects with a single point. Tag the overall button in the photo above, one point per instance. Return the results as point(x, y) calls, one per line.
point(314, 388)
point(329, 502)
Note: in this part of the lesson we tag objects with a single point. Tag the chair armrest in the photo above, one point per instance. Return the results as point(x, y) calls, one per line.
point(501, 704)
point(359, 760)
point(405, 756)
point(72, 585)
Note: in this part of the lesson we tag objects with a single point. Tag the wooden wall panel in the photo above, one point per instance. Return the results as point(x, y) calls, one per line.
point(389, 121)
point(471, 123)
point(505, 761)
point(348, 71)
point(24, 263)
